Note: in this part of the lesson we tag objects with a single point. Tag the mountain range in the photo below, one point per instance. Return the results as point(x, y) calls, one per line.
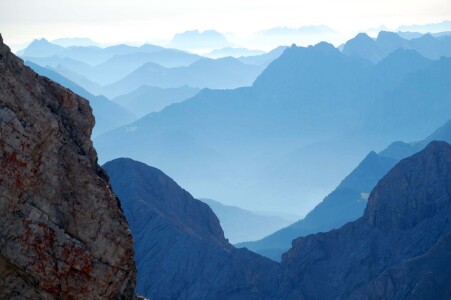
point(348, 201)
point(223, 73)
point(402, 240)
point(310, 109)
point(67, 223)
point(386, 42)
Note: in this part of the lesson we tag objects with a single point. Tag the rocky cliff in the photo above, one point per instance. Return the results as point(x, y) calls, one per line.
point(399, 249)
point(181, 251)
point(63, 234)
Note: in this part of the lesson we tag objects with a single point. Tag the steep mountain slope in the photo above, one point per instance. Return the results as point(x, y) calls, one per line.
point(242, 225)
point(181, 251)
point(148, 99)
point(108, 114)
point(274, 142)
point(405, 226)
point(398, 249)
point(347, 202)
point(63, 234)
point(205, 73)
point(264, 59)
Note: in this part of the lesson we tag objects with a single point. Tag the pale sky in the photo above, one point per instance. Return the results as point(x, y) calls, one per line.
point(113, 21)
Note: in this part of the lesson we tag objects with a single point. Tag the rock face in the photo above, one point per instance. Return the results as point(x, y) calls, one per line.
point(63, 234)
point(399, 249)
point(181, 251)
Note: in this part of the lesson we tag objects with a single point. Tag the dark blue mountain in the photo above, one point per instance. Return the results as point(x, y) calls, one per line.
point(399, 248)
point(402, 240)
point(180, 249)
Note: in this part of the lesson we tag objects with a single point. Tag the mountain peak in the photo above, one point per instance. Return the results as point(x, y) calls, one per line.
point(406, 195)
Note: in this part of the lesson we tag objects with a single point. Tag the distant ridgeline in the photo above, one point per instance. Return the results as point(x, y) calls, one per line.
point(288, 139)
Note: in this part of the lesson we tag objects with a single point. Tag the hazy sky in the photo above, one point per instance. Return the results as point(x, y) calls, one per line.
point(150, 20)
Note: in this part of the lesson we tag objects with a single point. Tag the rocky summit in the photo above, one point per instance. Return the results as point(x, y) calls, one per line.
point(63, 233)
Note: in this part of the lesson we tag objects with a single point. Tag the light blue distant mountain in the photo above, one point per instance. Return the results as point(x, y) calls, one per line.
point(425, 28)
point(386, 42)
point(223, 73)
point(194, 39)
point(272, 145)
point(347, 202)
point(147, 99)
point(263, 59)
point(93, 55)
point(104, 65)
point(242, 225)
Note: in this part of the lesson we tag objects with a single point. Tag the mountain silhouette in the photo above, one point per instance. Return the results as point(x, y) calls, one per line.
point(147, 99)
point(180, 247)
point(195, 40)
point(395, 250)
point(402, 240)
point(205, 73)
point(374, 50)
point(310, 108)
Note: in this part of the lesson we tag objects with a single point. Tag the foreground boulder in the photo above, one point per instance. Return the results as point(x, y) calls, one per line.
point(63, 234)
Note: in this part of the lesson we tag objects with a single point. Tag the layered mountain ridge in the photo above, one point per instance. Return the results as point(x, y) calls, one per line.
point(395, 250)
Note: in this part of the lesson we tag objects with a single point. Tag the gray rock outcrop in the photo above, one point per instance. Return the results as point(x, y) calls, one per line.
point(62, 232)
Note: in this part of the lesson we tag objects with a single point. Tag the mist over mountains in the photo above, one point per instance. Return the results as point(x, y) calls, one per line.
point(311, 108)
point(228, 172)
point(276, 138)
